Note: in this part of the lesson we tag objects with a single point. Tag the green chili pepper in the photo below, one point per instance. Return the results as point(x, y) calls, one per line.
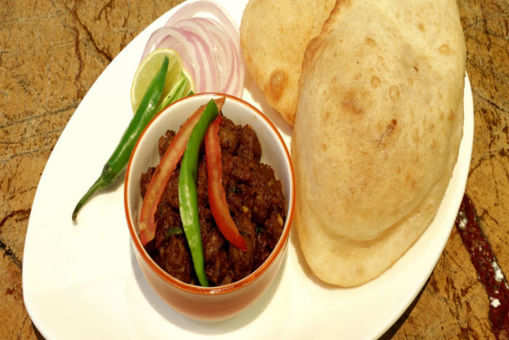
point(118, 160)
point(188, 197)
point(178, 91)
point(174, 231)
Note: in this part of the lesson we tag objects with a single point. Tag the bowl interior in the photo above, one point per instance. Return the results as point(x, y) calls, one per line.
point(146, 153)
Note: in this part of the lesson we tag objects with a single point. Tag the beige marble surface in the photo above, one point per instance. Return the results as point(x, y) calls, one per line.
point(51, 51)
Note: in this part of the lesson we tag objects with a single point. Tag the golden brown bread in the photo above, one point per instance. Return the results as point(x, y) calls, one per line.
point(377, 131)
point(273, 37)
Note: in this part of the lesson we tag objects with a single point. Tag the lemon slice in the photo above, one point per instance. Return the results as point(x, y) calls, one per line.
point(177, 80)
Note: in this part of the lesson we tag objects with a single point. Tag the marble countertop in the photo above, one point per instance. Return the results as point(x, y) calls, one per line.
point(51, 52)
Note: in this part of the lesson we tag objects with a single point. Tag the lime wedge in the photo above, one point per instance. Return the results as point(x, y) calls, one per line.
point(176, 78)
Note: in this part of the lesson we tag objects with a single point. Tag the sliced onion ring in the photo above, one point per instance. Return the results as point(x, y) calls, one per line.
point(167, 37)
point(202, 44)
point(206, 8)
point(204, 36)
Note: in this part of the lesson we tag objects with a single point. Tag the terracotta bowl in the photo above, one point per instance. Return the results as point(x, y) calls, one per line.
point(208, 303)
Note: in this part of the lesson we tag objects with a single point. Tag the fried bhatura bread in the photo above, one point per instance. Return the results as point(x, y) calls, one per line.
point(273, 37)
point(377, 133)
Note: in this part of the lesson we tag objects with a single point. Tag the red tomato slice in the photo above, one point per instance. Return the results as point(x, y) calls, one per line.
point(217, 197)
point(163, 173)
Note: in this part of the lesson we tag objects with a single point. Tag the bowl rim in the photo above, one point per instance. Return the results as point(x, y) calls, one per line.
point(247, 280)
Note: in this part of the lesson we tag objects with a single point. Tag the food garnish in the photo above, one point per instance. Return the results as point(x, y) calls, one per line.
point(188, 196)
point(217, 197)
point(177, 82)
point(118, 160)
point(163, 173)
point(188, 238)
point(200, 36)
point(208, 42)
point(174, 231)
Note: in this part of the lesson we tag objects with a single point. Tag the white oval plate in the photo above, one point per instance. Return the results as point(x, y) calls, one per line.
point(82, 282)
